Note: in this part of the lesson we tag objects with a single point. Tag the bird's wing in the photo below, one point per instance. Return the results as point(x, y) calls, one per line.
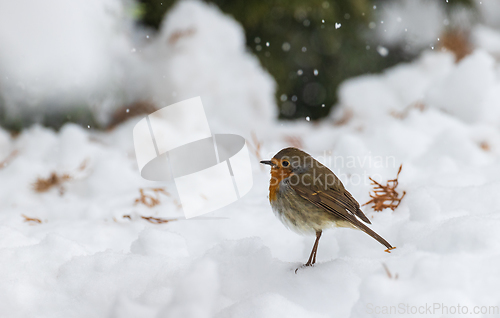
point(330, 200)
point(339, 203)
point(333, 198)
point(353, 205)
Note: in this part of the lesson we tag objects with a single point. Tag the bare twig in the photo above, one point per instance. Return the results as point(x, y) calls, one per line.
point(255, 146)
point(388, 272)
point(9, 159)
point(294, 141)
point(156, 220)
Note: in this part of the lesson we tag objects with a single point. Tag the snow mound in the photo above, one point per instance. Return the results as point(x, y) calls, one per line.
point(89, 246)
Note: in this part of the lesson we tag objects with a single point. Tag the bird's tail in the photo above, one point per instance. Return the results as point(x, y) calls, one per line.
point(372, 233)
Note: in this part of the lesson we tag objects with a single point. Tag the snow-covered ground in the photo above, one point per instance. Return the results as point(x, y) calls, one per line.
point(93, 255)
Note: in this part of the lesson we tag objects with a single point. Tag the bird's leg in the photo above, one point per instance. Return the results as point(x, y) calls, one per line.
point(318, 235)
point(312, 258)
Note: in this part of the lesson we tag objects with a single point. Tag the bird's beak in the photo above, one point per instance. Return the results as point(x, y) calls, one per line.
point(268, 162)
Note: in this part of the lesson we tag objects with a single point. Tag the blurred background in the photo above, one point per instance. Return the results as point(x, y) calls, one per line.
point(99, 62)
point(364, 86)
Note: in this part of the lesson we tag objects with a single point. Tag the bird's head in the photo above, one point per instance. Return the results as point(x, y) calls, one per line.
point(289, 161)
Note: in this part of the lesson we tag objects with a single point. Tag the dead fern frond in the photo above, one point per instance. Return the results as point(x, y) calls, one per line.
point(9, 159)
point(456, 41)
point(385, 196)
point(347, 115)
point(160, 191)
point(54, 180)
point(150, 200)
point(126, 112)
point(388, 272)
point(156, 220)
point(84, 164)
point(404, 113)
point(32, 220)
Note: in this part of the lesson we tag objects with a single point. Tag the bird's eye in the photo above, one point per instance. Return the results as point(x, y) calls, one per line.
point(285, 163)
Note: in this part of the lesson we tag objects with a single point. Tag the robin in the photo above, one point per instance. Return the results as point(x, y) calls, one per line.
point(308, 198)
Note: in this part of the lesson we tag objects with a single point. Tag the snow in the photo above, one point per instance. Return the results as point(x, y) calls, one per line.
point(417, 23)
point(93, 255)
point(487, 38)
point(57, 55)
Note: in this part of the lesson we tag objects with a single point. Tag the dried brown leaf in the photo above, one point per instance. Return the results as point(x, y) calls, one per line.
point(84, 164)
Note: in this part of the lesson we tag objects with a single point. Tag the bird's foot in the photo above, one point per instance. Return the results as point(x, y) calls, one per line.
point(302, 266)
point(390, 249)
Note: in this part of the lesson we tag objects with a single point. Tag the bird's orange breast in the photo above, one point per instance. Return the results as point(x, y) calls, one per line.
point(277, 175)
